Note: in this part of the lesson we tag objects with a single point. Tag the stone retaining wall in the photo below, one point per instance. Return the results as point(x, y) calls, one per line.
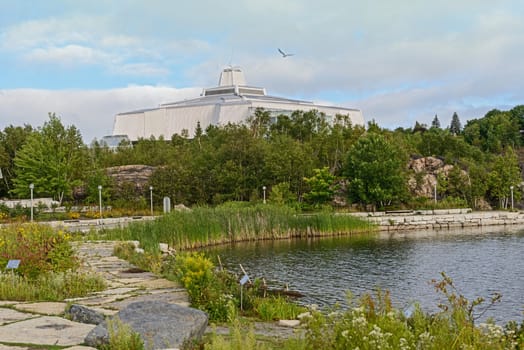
point(441, 219)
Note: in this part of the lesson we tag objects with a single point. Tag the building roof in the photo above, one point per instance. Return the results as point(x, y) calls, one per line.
point(231, 101)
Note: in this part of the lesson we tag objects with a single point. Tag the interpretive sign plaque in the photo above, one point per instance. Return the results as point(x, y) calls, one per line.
point(13, 264)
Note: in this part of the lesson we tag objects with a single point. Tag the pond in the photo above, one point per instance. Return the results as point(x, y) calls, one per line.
point(479, 261)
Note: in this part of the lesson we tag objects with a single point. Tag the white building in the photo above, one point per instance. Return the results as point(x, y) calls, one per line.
point(232, 101)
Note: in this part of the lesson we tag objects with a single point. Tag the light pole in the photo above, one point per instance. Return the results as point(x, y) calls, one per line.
point(151, 198)
point(31, 187)
point(100, 199)
point(511, 188)
point(435, 191)
point(264, 191)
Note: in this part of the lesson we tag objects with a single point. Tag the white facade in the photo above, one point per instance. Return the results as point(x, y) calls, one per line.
point(231, 102)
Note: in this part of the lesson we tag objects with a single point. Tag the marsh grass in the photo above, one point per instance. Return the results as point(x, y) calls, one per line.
point(49, 287)
point(122, 337)
point(235, 222)
point(277, 308)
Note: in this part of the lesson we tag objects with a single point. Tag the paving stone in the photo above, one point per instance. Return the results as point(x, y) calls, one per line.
point(10, 347)
point(46, 330)
point(9, 315)
point(159, 283)
point(7, 302)
point(78, 347)
point(44, 308)
point(116, 291)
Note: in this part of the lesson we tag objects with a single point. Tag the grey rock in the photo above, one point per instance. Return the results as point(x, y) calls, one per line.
point(161, 325)
point(82, 314)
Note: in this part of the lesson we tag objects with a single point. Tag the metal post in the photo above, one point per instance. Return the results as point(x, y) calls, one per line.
point(100, 199)
point(31, 187)
point(264, 191)
point(151, 198)
point(435, 191)
point(511, 188)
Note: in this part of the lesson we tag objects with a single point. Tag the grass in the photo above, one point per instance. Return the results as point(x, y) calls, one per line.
point(49, 287)
point(232, 223)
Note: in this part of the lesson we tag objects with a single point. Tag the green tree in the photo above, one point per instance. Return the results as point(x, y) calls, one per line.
point(11, 141)
point(504, 175)
point(53, 159)
point(455, 127)
point(435, 123)
point(494, 131)
point(322, 187)
point(376, 170)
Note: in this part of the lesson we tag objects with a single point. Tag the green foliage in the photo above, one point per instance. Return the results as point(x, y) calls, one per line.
point(504, 175)
point(208, 290)
point(230, 223)
point(52, 159)
point(277, 308)
point(494, 132)
point(375, 168)
point(455, 127)
point(40, 248)
point(322, 187)
point(11, 141)
point(239, 339)
point(122, 337)
point(52, 286)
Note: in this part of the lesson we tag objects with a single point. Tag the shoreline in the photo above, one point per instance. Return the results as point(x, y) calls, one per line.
point(440, 219)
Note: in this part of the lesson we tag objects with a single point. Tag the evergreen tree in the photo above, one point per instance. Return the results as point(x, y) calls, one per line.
point(455, 127)
point(435, 123)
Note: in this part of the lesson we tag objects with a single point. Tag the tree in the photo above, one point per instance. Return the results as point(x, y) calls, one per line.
point(435, 123)
point(11, 141)
point(53, 159)
point(455, 127)
point(375, 168)
point(322, 187)
point(504, 175)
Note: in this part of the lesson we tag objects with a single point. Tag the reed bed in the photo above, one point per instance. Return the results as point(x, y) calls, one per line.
point(204, 226)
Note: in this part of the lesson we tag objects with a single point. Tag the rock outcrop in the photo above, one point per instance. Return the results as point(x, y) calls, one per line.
point(161, 325)
point(136, 175)
point(426, 172)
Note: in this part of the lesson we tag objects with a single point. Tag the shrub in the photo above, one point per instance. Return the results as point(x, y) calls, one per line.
point(122, 337)
point(40, 248)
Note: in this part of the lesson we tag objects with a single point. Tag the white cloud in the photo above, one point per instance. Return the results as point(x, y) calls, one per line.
point(67, 55)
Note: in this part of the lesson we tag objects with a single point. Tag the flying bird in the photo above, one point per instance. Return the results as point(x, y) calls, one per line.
point(284, 55)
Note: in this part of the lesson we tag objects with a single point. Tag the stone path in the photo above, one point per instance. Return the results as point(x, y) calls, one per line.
point(28, 326)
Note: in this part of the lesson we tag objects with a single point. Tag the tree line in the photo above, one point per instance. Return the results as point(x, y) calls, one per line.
point(301, 159)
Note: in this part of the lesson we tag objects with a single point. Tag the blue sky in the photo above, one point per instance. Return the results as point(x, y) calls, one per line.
point(398, 61)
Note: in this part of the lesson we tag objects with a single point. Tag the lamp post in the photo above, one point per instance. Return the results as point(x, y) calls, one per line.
point(151, 198)
point(264, 191)
point(511, 188)
point(31, 187)
point(435, 191)
point(100, 199)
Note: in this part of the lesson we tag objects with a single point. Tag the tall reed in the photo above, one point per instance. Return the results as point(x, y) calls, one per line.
point(235, 222)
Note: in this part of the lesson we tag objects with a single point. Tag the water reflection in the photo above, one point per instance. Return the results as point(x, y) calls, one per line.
point(479, 262)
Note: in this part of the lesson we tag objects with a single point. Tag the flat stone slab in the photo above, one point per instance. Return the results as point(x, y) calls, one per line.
point(170, 298)
point(9, 347)
point(44, 308)
point(78, 347)
point(9, 316)
point(160, 283)
point(46, 330)
point(116, 291)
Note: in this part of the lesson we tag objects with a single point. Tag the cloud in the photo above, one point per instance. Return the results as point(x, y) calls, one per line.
point(67, 55)
point(91, 111)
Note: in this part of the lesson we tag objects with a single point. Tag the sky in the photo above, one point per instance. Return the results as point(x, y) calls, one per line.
point(398, 61)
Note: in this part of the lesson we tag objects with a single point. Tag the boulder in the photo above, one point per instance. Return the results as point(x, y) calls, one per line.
point(161, 325)
point(82, 314)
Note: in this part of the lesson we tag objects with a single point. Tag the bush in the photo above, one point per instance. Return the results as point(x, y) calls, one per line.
point(40, 248)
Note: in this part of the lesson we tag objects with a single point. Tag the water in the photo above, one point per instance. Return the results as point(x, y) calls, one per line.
point(480, 262)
